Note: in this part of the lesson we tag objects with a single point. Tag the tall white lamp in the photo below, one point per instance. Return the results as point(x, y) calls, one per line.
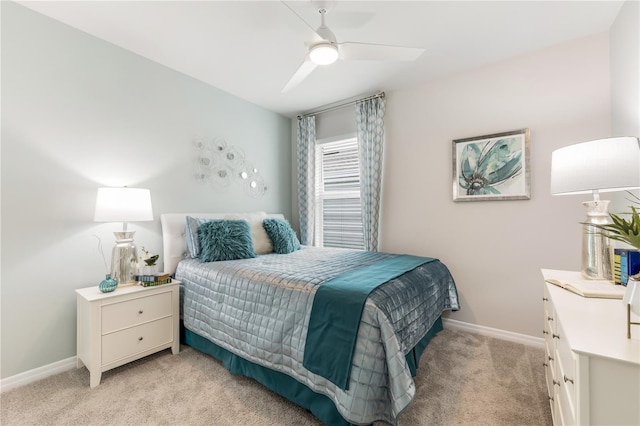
point(593, 167)
point(123, 205)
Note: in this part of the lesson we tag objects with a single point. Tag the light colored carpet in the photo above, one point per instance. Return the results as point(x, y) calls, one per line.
point(463, 379)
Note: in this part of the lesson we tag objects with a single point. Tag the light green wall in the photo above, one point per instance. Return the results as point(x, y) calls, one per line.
point(79, 113)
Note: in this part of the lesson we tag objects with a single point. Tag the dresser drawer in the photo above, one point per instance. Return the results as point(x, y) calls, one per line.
point(550, 378)
point(566, 366)
point(566, 406)
point(134, 340)
point(549, 341)
point(117, 316)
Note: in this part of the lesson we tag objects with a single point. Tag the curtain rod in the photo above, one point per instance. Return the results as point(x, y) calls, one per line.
point(331, 108)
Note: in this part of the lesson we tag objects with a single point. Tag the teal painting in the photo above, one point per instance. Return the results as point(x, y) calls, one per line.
point(492, 167)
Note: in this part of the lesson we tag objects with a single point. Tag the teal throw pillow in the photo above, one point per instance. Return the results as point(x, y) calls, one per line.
point(225, 240)
point(283, 238)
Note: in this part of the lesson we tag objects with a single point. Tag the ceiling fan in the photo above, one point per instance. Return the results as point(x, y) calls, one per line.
point(324, 49)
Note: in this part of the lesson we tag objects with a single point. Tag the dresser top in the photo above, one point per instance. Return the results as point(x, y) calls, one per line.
point(593, 326)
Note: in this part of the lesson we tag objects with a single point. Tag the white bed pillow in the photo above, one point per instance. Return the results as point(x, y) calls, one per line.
point(261, 241)
point(191, 235)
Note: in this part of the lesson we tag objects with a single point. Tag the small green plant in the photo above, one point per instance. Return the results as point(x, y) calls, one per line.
point(149, 260)
point(623, 229)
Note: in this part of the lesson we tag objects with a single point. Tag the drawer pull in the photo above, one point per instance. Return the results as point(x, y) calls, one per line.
point(550, 318)
point(556, 383)
point(555, 336)
point(550, 358)
point(545, 332)
point(544, 364)
point(550, 398)
point(544, 299)
point(140, 340)
point(566, 379)
point(140, 312)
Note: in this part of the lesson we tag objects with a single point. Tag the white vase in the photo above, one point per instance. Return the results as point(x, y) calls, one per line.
point(148, 270)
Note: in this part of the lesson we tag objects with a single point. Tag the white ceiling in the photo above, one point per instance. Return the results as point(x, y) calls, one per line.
point(251, 48)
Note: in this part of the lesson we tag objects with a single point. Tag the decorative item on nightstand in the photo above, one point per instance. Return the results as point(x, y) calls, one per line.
point(123, 205)
point(602, 165)
point(147, 264)
point(108, 284)
point(632, 300)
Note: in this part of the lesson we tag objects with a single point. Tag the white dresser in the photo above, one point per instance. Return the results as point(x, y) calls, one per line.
point(592, 369)
point(124, 325)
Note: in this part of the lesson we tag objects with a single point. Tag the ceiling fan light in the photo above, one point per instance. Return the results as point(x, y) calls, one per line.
point(323, 54)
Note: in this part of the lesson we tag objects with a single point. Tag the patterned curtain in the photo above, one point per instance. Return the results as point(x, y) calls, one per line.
point(306, 152)
point(370, 133)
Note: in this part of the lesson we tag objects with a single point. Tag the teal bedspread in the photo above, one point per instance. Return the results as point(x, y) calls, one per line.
point(259, 310)
point(336, 312)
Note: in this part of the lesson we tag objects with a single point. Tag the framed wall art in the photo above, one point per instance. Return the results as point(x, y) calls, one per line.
point(492, 167)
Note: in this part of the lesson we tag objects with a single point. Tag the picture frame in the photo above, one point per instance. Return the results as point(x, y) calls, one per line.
point(492, 167)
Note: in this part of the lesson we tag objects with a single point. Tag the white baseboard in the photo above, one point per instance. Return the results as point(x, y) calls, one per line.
point(70, 363)
point(37, 374)
point(494, 332)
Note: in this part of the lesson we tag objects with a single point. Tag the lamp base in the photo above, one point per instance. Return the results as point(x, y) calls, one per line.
point(596, 248)
point(124, 259)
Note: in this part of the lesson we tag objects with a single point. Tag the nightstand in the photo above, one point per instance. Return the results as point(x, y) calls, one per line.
point(125, 325)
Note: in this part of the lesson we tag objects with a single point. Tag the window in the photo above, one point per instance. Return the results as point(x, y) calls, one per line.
point(338, 209)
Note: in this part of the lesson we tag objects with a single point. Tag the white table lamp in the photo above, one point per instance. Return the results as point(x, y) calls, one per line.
point(602, 165)
point(123, 205)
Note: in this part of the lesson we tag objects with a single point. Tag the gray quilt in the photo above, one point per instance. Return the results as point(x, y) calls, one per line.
point(259, 309)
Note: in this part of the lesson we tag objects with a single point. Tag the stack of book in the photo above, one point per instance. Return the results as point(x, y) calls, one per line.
point(153, 279)
point(626, 263)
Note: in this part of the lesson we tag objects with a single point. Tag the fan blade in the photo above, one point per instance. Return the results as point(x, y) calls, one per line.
point(305, 69)
point(351, 51)
point(316, 38)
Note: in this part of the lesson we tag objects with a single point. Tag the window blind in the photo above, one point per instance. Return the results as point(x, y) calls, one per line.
point(338, 208)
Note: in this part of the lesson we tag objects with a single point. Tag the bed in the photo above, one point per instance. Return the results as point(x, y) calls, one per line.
point(264, 318)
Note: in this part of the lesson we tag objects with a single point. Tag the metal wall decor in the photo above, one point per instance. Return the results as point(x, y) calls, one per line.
point(492, 167)
point(219, 165)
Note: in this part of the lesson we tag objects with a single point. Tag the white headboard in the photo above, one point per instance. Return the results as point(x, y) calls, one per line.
point(174, 243)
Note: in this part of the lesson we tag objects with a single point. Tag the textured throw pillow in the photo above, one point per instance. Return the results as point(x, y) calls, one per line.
point(261, 241)
point(283, 238)
point(225, 240)
point(191, 235)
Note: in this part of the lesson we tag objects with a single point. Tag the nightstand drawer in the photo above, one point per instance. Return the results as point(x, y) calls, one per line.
point(131, 341)
point(136, 311)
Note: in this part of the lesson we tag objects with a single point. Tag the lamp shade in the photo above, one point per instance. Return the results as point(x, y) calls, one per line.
point(123, 205)
point(602, 165)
